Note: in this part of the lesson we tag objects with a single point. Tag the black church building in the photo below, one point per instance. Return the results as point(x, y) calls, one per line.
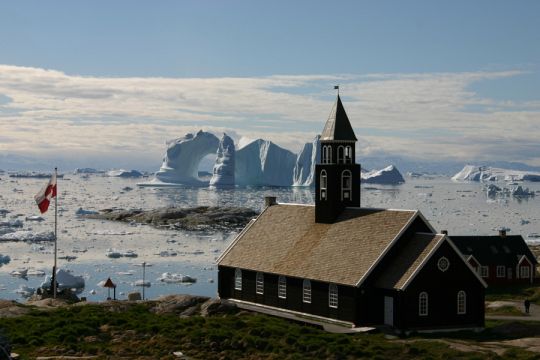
point(338, 260)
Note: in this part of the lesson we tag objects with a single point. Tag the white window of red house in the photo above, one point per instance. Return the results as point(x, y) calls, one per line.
point(484, 271)
point(461, 302)
point(423, 304)
point(259, 283)
point(306, 291)
point(501, 271)
point(524, 272)
point(237, 279)
point(333, 296)
point(282, 287)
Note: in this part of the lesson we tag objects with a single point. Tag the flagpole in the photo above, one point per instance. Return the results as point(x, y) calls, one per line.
point(55, 232)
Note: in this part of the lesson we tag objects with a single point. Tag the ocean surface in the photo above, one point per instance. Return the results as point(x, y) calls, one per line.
point(460, 208)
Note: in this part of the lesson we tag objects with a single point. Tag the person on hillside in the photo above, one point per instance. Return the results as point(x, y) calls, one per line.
point(527, 304)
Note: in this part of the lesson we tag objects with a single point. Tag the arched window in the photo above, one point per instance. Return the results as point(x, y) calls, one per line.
point(327, 154)
point(461, 302)
point(340, 158)
point(282, 287)
point(306, 291)
point(423, 304)
point(259, 283)
point(237, 279)
point(323, 185)
point(348, 154)
point(333, 296)
point(346, 185)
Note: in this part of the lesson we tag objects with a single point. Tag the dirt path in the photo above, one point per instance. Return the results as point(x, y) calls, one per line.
point(533, 315)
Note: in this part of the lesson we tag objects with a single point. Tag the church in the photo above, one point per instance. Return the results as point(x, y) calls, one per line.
point(339, 261)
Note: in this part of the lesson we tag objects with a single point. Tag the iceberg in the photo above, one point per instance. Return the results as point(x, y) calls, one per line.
point(25, 291)
point(181, 162)
point(28, 236)
point(223, 173)
point(124, 173)
point(176, 278)
point(81, 211)
point(487, 173)
point(4, 259)
point(390, 175)
point(87, 171)
point(263, 163)
point(65, 280)
point(304, 168)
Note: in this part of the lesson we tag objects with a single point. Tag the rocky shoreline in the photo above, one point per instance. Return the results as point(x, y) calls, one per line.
point(191, 219)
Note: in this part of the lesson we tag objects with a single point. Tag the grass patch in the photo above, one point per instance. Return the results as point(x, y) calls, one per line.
point(507, 310)
point(135, 332)
point(514, 292)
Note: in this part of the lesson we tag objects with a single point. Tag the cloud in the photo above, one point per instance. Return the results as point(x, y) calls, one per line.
point(425, 116)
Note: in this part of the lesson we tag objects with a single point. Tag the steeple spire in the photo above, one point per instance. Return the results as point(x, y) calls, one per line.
point(338, 126)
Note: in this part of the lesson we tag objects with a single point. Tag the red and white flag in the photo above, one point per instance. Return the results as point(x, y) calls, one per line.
point(44, 196)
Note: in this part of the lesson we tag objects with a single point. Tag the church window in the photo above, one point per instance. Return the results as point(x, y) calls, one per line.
point(443, 264)
point(423, 304)
point(348, 154)
point(238, 279)
point(461, 302)
point(327, 154)
point(340, 158)
point(333, 296)
point(501, 271)
point(259, 283)
point(282, 287)
point(324, 185)
point(346, 185)
point(306, 291)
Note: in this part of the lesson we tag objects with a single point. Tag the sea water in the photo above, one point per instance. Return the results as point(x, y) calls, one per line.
point(460, 208)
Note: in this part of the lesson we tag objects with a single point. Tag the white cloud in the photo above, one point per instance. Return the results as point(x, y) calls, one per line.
point(428, 116)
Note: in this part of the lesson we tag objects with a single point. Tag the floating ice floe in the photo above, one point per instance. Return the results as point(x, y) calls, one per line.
point(124, 173)
point(35, 272)
point(11, 223)
point(176, 278)
point(93, 292)
point(25, 291)
point(115, 254)
point(81, 211)
point(4, 259)
point(167, 253)
point(87, 171)
point(142, 283)
point(28, 236)
point(19, 273)
point(65, 280)
point(34, 218)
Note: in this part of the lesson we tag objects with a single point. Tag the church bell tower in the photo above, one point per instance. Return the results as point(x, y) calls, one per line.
point(337, 176)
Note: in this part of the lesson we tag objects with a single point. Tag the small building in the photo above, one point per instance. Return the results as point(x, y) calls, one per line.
point(500, 260)
point(337, 260)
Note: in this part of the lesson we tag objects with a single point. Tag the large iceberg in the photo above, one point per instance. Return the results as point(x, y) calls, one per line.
point(487, 173)
point(65, 280)
point(390, 175)
point(262, 162)
point(223, 172)
point(304, 169)
point(180, 164)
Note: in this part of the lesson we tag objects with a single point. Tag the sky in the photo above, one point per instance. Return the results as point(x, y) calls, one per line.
point(106, 83)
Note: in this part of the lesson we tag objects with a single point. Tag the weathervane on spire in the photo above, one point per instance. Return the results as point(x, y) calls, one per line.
point(336, 87)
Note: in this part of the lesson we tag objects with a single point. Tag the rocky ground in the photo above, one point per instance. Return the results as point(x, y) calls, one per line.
point(196, 218)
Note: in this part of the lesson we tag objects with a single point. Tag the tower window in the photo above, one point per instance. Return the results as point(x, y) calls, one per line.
point(423, 304)
point(461, 302)
point(346, 185)
point(333, 296)
point(327, 154)
point(324, 185)
point(282, 287)
point(306, 291)
point(238, 279)
point(340, 158)
point(259, 283)
point(348, 154)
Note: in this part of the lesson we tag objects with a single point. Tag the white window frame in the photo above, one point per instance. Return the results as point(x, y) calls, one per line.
point(341, 151)
point(484, 271)
point(238, 279)
point(259, 283)
point(501, 271)
point(323, 185)
point(443, 264)
point(333, 296)
point(524, 274)
point(327, 154)
point(461, 302)
point(344, 174)
point(282, 287)
point(306, 291)
point(423, 304)
point(348, 154)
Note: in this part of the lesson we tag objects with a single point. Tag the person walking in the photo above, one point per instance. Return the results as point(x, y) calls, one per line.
point(527, 304)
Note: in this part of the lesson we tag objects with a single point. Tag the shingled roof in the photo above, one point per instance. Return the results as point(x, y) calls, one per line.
point(286, 240)
point(494, 249)
point(410, 258)
point(338, 126)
